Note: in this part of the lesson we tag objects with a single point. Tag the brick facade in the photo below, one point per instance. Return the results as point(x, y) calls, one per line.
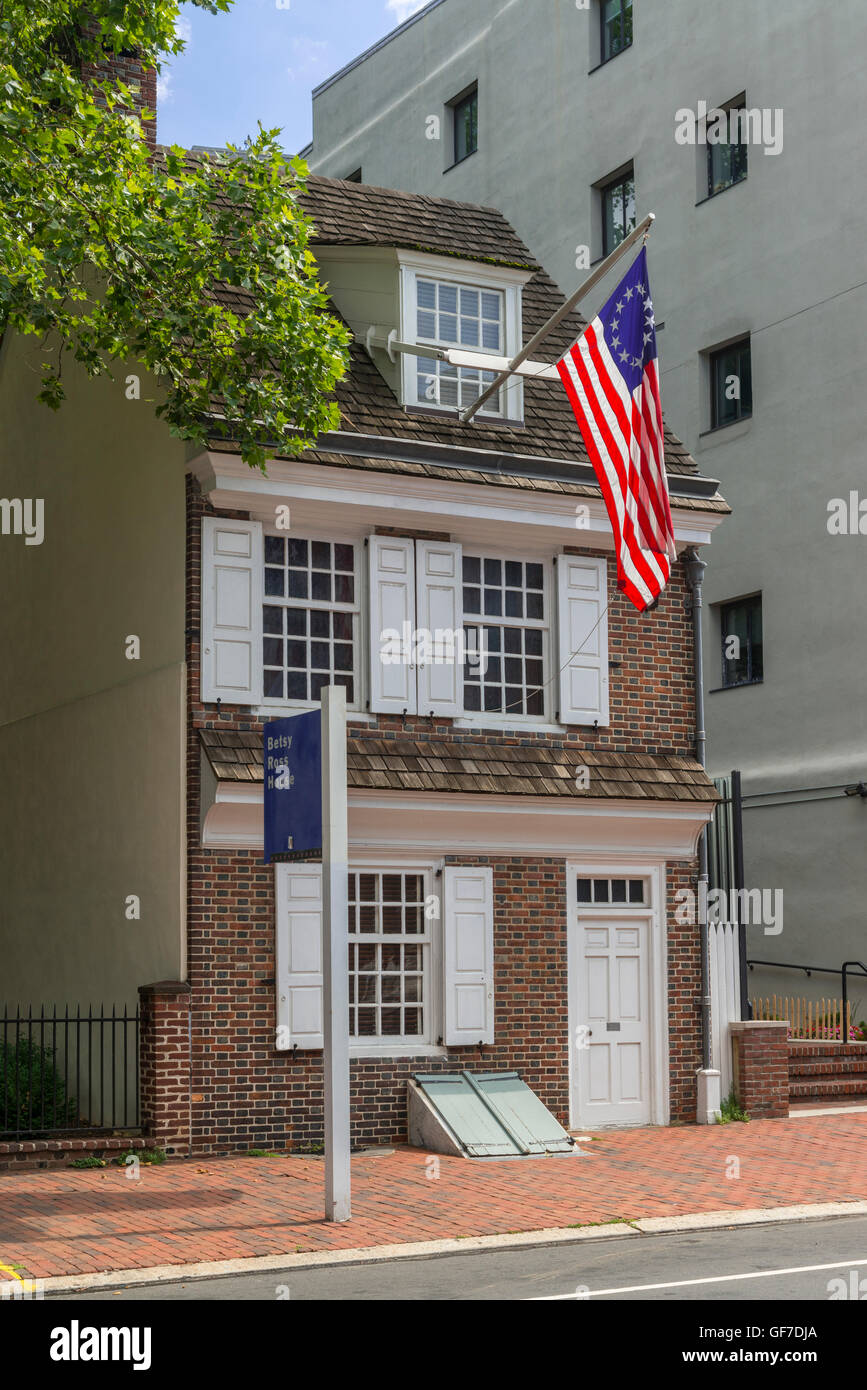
point(141, 80)
point(246, 1094)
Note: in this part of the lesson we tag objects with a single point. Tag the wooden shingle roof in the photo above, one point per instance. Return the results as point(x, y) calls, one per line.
point(351, 214)
point(500, 769)
point(346, 213)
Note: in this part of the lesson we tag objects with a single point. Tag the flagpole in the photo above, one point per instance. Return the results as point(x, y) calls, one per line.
point(589, 284)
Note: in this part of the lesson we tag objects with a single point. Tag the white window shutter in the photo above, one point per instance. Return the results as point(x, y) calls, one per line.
point(468, 955)
point(392, 616)
point(299, 956)
point(582, 598)
point(439, 586)
point(232, 581)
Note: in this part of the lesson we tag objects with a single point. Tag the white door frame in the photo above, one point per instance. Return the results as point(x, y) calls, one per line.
point(655, 914)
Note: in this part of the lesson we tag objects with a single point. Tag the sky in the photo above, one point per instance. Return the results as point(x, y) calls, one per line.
point(260, 62)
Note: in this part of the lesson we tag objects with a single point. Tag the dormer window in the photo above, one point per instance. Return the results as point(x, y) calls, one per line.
point(470, 311)
point(450, 315)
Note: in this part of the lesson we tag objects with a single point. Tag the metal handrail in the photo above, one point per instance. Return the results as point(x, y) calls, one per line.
point(845, 1001)
point(844, 971)
point(808, 969)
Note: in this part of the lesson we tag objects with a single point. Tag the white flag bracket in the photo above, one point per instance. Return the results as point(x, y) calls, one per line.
point(378, 337)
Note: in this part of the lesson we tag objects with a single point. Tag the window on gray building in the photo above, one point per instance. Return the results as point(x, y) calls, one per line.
point(731, 384)
point(466, 124)
point(727, 162)
point(616, 27)
point(741, 635)
point(618, 211)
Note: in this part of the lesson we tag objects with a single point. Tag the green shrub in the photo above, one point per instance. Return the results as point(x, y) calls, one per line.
point(90, 1162)
point(28, 1077)
point(731, 1112)
point(143, 1156)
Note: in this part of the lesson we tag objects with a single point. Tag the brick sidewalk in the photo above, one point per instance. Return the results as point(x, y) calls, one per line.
point(85, 1221)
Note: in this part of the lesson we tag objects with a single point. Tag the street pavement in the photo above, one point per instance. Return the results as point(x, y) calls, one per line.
point(801, 1260)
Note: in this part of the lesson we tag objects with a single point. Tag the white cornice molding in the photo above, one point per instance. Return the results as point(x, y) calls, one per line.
point(418, 822)
point(320, 494)
point(464, 268)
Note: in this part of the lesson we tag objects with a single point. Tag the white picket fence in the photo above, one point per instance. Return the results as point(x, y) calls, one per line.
point(725, 996)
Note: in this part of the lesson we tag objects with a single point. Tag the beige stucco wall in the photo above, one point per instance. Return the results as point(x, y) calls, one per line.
point(91, 743)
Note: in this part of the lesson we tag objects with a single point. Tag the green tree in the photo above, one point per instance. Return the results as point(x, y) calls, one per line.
point(199, 267)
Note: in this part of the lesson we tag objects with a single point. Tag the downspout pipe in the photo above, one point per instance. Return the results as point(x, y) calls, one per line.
point(695, 567)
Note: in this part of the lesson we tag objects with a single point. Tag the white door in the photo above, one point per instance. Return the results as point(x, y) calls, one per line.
point(611, 1074)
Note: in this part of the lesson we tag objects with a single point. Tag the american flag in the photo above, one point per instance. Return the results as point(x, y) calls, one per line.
point(612, 378)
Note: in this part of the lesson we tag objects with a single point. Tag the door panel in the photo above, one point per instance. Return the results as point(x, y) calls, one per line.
point(611, 1078)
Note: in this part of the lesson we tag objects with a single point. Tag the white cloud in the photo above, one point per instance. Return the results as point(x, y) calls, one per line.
point(308, 55)
point(402, 9)
point(183, 28)
point(164, 87)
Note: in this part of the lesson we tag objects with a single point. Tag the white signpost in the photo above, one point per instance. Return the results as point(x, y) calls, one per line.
point(335, 916)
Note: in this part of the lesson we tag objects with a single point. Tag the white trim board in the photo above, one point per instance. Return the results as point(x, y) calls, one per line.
point(423, 823)
point(329, 497)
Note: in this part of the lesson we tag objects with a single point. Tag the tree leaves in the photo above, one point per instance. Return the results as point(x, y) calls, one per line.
point(199, 266)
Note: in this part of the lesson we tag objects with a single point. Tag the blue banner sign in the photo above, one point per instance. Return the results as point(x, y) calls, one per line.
point(293, 787)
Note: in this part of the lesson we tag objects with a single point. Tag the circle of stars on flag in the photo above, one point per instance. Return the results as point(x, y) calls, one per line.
point(649, 321)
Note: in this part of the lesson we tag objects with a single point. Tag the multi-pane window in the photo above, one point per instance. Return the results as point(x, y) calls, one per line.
point(618, 212)
point(731, 384)
point(457, 316)
point(611, 892)
point(616, 27)
point(727, 162)
point(742, 650)
point(309, 619)
point(389, 938)
point(466, 121)
point(505, 622)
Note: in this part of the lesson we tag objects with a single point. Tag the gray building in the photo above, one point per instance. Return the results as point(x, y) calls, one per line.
point(573, 118)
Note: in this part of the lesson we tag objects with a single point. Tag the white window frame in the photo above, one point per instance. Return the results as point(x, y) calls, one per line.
point(472, 275)
point(494, 407)
point(478, 719)
point(432, 955)
point(610, 905)
point(359, 611)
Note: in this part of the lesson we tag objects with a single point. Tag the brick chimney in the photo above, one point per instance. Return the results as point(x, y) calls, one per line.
point(142, 81)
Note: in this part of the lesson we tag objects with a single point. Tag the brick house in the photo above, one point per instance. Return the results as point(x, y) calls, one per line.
point(551, 807)
point(519, 822)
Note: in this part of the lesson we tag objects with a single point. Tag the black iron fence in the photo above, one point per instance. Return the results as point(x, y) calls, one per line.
point(68, 1072)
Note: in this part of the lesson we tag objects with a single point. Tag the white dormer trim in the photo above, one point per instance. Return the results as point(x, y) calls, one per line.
point(509, 280)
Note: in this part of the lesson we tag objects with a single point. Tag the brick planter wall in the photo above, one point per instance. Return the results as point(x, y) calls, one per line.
point(164, 1065)
point(21, 1155)
point(761, 1068)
